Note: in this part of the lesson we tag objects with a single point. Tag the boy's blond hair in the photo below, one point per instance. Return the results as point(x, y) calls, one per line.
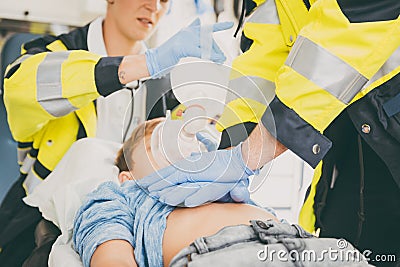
point(124, 159)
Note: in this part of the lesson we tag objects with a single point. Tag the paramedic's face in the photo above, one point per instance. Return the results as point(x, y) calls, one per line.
point(136, 19)
point(143, 163)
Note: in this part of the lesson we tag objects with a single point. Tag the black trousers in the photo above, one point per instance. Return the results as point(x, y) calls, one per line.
point(18, 223)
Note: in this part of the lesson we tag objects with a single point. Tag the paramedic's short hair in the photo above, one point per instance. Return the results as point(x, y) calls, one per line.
point(142, 131)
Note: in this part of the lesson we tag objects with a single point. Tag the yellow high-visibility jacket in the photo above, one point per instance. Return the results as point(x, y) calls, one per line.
point(49, 94)
point(308, 63)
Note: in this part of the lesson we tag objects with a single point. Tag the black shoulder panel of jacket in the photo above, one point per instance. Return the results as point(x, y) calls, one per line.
point(295, 133)
point(369, 11)
point(249, 4)
point(233, 135)
point(39, 45)
point(76, 39)
point(245, 43)
point(307, 3)
point(33, 47)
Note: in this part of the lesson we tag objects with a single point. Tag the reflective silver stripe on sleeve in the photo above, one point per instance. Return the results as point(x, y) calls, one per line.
point(18, 61)
point(392, 63)
point(49, 85)
point(27, 164)
point(252, 87)
point(22, 154)
point(31, 181)
point(266, 13)
point(325, 70)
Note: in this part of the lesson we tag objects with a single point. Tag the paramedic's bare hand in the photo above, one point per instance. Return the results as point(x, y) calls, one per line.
point(222, 168)
point(185, 43)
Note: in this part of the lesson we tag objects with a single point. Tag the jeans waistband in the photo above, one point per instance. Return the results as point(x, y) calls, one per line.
point(267, 232)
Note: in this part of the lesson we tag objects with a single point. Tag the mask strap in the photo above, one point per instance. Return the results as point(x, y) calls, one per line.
point(155, 143)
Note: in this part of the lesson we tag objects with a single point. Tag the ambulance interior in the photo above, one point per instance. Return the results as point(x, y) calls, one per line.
point(280, 185)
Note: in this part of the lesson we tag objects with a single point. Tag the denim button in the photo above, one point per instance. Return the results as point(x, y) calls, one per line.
point(262, 224)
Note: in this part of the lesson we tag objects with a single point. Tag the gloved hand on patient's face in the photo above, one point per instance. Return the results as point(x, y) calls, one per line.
point(193, 194)
point(239, 192)
point(208, 142)
point(201, 178)
point(186, 43)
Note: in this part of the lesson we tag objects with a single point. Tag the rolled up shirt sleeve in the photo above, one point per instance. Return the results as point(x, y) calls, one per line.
point(105, 216)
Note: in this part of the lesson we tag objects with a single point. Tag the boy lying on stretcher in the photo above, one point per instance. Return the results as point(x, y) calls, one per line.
point(121, 225)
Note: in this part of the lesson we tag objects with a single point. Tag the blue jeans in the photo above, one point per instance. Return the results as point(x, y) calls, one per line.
point(267, 243)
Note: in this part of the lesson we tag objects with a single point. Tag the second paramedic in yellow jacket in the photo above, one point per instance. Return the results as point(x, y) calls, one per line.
point(50, 93)
point(329, 73)
point(320, 78)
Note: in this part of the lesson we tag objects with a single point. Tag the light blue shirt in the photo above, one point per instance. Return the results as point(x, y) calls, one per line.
point(124, 212)
point(121, 212)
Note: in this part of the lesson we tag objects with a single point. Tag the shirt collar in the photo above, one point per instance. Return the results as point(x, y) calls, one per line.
point(95, 40)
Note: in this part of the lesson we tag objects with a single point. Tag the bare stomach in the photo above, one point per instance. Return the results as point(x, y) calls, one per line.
point(184, 225)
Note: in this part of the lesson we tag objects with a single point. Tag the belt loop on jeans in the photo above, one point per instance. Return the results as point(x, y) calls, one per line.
point(201, 245)
point(261, 230)
point(271, 229)
point(262, 226)
point(301, 232)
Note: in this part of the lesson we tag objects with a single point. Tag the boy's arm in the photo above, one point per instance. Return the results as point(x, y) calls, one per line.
point(104, 218)
point(114, 253)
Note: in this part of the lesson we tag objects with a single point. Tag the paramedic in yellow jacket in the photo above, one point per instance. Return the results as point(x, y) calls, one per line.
point(329, 73)
point(50, 94)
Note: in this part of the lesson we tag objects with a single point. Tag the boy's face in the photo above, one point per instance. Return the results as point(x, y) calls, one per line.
point(136, 19)
point(143, 160)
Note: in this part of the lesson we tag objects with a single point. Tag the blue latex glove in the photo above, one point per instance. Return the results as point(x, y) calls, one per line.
point(199, 178)
point(239, 193)
point(195, 194)
point(208, 142)
point(185, 43)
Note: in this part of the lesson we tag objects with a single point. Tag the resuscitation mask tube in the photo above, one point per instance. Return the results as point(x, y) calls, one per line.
point(173, 140)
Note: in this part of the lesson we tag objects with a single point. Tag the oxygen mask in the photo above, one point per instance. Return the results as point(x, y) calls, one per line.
point(201, 87)
point(175, 138)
